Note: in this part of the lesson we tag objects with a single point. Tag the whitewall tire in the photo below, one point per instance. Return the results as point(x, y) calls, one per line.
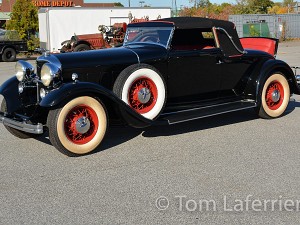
point(143, 89)
point(275, 96)
point(78, 127)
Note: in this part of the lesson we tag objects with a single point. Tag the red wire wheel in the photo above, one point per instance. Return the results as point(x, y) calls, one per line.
point(77, 127)
point(142, 95)
point(274, 95)
point(81, 124)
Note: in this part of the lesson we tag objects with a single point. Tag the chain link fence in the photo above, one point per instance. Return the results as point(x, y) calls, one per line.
point(281, 26)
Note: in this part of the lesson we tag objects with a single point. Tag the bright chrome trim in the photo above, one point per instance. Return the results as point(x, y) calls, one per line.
point(22, 126)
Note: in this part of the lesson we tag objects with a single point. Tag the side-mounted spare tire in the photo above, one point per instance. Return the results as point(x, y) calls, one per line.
point(274, 96)
point(143, 88)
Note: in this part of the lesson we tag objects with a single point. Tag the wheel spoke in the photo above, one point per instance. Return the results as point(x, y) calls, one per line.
point(73, 117)
point(143, 86)
point(273, 90)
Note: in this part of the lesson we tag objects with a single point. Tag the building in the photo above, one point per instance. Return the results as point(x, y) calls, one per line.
point(6, 6)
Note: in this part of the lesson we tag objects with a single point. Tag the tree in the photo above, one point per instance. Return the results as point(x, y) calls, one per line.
point(118, 4)
point(24, 19)
point(201, 3)
point(289, 4)
point(260, 6)
point(253, 6)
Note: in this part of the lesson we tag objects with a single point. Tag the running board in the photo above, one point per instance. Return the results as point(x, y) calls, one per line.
point(198, 113)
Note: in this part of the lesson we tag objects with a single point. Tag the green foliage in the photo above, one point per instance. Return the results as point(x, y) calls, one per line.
point(253, 6)
point(24, 19)
point(254, 32)
point(119, 4)
point(289, 3)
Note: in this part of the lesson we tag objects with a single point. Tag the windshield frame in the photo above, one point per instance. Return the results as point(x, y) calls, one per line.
point(153, 28)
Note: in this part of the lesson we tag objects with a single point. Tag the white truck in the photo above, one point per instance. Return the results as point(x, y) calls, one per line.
point(59, 24)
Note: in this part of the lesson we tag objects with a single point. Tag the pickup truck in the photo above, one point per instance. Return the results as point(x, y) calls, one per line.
point(10, 45)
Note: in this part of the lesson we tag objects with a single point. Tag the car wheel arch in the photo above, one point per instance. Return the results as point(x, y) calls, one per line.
point(257, 79)
point(109, 100)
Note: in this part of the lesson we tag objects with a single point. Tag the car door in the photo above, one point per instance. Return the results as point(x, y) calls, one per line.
point(194, 75)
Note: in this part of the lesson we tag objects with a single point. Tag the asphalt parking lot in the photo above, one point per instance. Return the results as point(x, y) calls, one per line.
point(229, 169)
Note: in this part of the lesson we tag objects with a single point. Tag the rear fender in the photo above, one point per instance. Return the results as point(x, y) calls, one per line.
point(69, 91)
point(258, 77)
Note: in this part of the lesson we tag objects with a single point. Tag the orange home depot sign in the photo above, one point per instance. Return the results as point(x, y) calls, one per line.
point(53, 3)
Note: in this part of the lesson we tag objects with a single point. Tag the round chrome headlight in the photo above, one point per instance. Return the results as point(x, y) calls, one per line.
point(23, 68)
point(48, 73)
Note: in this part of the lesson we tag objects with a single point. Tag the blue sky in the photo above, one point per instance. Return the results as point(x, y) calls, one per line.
point(156, 3)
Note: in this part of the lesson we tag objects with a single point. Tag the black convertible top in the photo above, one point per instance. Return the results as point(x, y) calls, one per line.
point(198, 22)
point(228, 38)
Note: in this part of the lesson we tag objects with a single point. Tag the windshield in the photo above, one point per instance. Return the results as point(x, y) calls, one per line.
point(156, 35)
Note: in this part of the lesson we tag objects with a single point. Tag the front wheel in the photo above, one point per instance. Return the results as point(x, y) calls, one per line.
point(78, 127)
point(275, 96)
point(81, 48)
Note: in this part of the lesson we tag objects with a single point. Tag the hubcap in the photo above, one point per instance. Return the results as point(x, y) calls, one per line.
point(144, 95)
point(274, 95)
point(83, 125)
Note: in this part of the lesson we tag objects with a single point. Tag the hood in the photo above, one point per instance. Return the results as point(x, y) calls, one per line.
point(91, 59)
point(127, 55)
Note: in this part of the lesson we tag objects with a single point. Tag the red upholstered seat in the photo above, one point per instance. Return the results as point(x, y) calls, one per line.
point(262, 44)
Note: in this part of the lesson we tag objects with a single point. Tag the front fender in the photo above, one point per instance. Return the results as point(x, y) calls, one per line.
point(259, 76)
point(69, 91)
point(9, 90)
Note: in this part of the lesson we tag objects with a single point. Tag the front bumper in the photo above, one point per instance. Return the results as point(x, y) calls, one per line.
point(21, 125)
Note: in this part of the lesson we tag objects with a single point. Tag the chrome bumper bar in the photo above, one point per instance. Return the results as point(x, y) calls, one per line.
point(22, 126)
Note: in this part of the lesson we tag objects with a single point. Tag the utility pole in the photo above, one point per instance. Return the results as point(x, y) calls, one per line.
point(141, 2)
point(128, 3)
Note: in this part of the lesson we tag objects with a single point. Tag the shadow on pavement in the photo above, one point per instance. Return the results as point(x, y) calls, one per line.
point(120, 134)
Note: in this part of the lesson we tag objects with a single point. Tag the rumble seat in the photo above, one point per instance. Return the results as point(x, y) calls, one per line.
point(263, 44)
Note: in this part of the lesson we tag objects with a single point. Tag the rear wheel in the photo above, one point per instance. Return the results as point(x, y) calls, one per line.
point(81, 47)
point(15, 132)
point(9, 55)
point(78, 127)
point(275, 96)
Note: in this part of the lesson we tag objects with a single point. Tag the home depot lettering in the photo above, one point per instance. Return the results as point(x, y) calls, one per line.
point(53, 3)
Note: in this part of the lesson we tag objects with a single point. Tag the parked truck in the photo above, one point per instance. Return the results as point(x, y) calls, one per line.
point(10, 45)
point(59, 24)
point(107, 37)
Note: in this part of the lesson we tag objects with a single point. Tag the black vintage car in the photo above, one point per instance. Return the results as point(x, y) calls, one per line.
point(168, 71)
